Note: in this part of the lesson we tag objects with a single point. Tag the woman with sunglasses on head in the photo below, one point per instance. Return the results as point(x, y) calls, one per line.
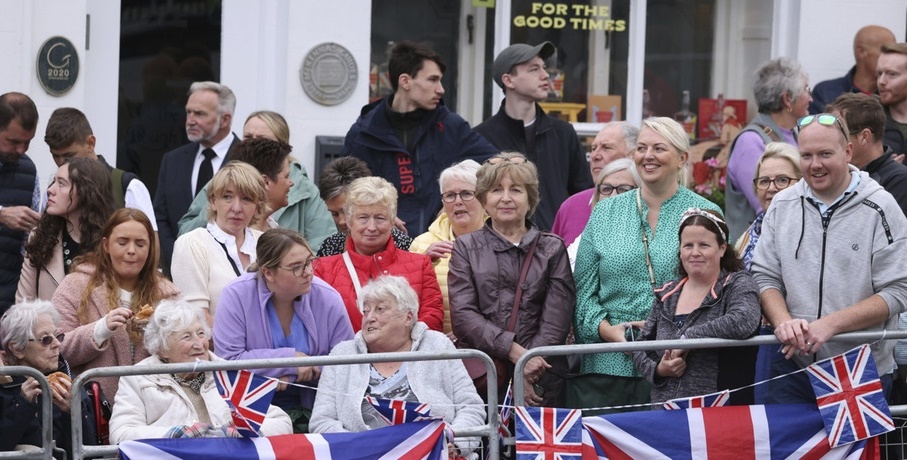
point(461, 214)
point(778, 168)
point(782, 96)
point(30, 337)
point(79, 201)
point(628, 250)
point(712, 298)
point(618, 176)
point(106, 288)
point(510, 284)
point(281, 310)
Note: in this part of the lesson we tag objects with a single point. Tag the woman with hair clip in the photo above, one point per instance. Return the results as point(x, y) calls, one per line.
point(79, 201)
point(712, 298)
point(106, 288)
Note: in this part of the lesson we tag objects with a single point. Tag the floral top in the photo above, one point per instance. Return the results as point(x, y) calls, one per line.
point(336, 243)
point(612, 280)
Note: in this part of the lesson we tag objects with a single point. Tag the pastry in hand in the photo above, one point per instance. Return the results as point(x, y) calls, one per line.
point(144, 313)
point(58, 377)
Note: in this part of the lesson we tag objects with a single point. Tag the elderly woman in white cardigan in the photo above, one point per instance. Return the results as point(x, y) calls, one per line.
point(178, 405)
point(207, 258)
point(389, 324)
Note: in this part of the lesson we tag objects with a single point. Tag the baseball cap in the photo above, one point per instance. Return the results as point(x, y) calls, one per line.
point(518, 53)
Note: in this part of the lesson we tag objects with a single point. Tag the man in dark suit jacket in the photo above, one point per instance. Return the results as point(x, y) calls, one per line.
point(185, 170)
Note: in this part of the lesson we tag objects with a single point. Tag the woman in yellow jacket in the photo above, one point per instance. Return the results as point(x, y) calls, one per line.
point(462, 214)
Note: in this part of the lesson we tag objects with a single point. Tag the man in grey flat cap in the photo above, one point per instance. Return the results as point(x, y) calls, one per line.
point(521, 125)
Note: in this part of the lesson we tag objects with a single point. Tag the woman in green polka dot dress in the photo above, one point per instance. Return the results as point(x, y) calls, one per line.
point(628, 248)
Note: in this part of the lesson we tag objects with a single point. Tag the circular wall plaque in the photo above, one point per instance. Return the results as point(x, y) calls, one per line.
point(328, 74)
point(58, 65)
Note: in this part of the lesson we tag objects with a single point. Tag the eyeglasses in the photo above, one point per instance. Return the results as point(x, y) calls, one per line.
point(299, 270)
point(498, 160)
point(781, 182)
point(824, 119)
point(465, 195)
point(605, 189)
point(48, 340)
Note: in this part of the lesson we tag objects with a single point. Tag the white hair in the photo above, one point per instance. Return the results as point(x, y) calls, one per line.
point(396, 288)
point(465, 171)
point(171, 316)
point(17, 326)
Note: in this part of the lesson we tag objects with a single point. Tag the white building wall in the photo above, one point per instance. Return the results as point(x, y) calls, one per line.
point(263, 47)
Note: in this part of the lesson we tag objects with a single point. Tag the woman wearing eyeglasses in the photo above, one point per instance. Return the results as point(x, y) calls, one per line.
point(778, 169)
point(370, 210)
point(618, 176)
point(281, 310)
point(782, 96)
point(461, 214)
point(30, 336)
point(511, 288)
point(628, 250)
point(206, 259)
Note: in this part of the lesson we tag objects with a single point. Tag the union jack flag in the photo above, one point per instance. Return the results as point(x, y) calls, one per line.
point(850, 397)
point(711, 400)
point(248, 396)
point(397, 411)
point(504, 427)
point(548, 433)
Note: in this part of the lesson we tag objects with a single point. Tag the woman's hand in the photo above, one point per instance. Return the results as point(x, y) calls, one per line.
point(60, 392)
point(117, 318)
point(672, 364)
point(439, 249)
point(306, 373)
point(535, 368)
point(530, 398)
point(30, 389)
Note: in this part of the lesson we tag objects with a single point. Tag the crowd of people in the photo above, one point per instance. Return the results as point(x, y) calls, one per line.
point(501, 238)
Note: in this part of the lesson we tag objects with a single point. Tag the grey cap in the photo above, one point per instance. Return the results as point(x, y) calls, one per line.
point(518, 53)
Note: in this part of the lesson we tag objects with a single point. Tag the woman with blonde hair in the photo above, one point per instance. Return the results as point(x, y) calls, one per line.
point(370, 210)
point(206, 259)
point(629, 248)
point(105, 290)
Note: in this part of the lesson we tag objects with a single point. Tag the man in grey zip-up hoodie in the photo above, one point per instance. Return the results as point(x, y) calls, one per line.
point(829, 260)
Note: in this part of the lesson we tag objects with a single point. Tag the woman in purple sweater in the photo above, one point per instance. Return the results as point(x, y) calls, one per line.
point(282, 310)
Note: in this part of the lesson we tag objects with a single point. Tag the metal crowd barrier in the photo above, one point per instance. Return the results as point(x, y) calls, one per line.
point(47, 429)
point(615, 347)
point(490, 429)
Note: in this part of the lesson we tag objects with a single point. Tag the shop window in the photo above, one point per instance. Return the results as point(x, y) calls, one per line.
point(433, 23)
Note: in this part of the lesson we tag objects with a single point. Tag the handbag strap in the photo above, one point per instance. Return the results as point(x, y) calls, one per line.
point(519, 287)
point(355, 277)
point(645, 237)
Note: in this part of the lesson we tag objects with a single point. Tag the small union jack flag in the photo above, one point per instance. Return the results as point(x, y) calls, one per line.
point(397, 411)
point(711, 400)
point(248, 396)
point(548, 433)
point(850, 397)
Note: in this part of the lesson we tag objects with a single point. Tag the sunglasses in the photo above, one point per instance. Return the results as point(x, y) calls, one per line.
point(48, 340)
point(824, 119)
point(498, 160)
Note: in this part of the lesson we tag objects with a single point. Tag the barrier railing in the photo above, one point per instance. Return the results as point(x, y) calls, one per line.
point(47, 429)
point(490, 429)
point(616, 347)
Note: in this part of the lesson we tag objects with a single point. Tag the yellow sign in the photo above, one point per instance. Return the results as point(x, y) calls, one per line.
point(562, 15)
point(483, 3)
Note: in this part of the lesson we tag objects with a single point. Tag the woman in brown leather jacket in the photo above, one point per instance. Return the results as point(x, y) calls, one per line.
point(485, 269)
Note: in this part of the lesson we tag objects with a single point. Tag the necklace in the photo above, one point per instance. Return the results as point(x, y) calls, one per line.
point(195, 383)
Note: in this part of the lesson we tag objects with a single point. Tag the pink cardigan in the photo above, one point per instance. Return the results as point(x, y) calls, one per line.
point(79, 347)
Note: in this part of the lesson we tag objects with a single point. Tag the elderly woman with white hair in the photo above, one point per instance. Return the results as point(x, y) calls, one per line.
point(628, 250)
point(461, 214)
point(183, 405)
point(390, 324)
point(370, 209)
point(30, 336)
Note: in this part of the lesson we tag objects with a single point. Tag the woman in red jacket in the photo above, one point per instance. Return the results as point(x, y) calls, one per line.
point(370, 209)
